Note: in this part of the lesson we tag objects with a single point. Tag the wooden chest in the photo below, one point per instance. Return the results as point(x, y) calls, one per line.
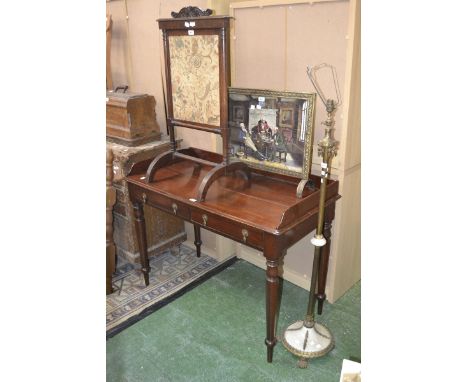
point(131, 118)
point(164, 229)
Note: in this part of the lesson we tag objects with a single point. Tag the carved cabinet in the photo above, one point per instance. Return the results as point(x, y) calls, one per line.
point(163, 229)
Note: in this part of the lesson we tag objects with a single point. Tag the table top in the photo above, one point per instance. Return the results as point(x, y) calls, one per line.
point(269, 203)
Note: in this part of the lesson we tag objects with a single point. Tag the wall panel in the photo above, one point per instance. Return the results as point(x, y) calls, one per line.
point(259, 45)
point(316, 34)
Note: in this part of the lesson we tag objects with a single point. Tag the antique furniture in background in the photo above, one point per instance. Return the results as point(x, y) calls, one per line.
point(131, 118)
point(164, 230)
point(110, 201)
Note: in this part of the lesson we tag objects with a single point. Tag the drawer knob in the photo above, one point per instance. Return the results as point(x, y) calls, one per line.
point(144, 197)
point(205, 219)
point(245, 235)
point(174, 208)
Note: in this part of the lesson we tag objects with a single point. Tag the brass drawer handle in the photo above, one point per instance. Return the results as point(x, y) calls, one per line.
point(245, 235)
point(205, 219)
point(174, 208)
point(144, 197)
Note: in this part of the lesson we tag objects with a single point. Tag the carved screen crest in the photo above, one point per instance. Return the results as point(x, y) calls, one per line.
point(195, 78)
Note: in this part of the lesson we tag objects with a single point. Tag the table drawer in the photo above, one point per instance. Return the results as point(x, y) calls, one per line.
point(166, 204)
point(236, 231)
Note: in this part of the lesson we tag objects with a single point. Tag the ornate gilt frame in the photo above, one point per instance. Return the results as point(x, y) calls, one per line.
point(308, 142)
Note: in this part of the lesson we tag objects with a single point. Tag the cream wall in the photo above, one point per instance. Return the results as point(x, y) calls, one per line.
point(271, 45)
point(345, 262)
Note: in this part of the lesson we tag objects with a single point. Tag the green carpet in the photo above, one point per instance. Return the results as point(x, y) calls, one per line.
point(216, 331)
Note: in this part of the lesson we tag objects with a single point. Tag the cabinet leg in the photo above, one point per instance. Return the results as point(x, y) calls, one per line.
point(323, 267)
point(110, 267)
point(110, 201)
point(110, 252)
point(272, 297)
point(142, 244)
point(197, 241)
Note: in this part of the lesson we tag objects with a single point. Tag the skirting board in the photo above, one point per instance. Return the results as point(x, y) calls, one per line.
point(154, 249)
point(206, 250)
point(258, 259)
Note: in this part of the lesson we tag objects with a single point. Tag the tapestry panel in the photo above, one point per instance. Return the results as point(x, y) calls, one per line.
point(195, 78)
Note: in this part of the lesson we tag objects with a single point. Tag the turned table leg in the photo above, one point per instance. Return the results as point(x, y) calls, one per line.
point(324, 258)
point(197, 241)
point(142, 244)
point(272, 298)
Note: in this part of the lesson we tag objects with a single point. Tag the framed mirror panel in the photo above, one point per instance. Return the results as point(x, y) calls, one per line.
point(272, 130)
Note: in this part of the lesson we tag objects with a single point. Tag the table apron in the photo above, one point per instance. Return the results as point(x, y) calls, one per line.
point(231, 229)
point(234, 230)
